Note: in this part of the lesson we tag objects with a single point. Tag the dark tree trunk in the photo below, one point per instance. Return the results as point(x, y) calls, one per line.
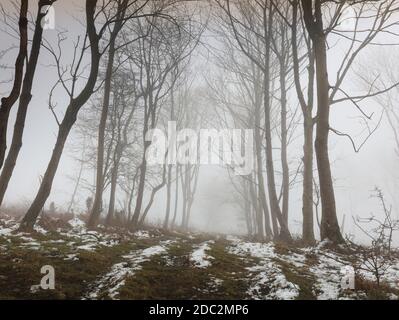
point(329, 222)
point(69, 119)
point(34, 210)
point(307, 195)
point(8, 102)
point(98, 198)
point(329, 228)
point(24, 100)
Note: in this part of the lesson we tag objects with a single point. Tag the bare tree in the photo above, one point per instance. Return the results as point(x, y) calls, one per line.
point(75, 103)
point(168, 44)
point(308, 124)
point(318, 30)
point(123, 110)
point(24, 100)
point(314, 24)
point(377, 258)
point(8, 102)
point(252, 27)
point(103, 120)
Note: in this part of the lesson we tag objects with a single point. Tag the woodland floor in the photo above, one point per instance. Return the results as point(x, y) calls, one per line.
point(151, 264)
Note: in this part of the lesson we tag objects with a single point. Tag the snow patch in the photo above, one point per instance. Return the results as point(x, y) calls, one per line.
point(39, 229)
point(140, 234)
point(115, 279)
point(88, 247)
point(199, 257)
point(268, 280)
point(77, 224)
point(6, 231)
point(72, 257)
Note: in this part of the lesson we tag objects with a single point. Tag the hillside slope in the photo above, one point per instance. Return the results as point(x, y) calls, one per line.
point(153, 264)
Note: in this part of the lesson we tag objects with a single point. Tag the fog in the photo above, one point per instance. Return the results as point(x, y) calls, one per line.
point(215, 207)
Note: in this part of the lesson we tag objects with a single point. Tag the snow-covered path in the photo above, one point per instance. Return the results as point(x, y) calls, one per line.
point(146, 264)
point(199, 257)
point(115, 279)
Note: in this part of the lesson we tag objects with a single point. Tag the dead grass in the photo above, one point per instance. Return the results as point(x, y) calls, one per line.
point(174, 277)
point(166, 276)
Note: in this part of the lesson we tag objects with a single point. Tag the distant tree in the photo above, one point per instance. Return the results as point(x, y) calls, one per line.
point(89, 203)
point(110, 69)
point(52, 208)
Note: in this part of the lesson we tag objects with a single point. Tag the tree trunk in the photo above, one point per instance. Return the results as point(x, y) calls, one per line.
point(284, 233)
point(140, 190)
point(258, 216)
point(329, 228)
point(152, 197)
point(75, 189)
point(247, 207)
point(186, 193)
point(307, 195)
point(259, 171)
point(34, 210)
point(261, 189)
point(131, 194)
point(69, 119)
point(168, 197)
point(306, 107)
point(170, 167)
point(96, 209)
point(24, 100)
point(8, 102)
point(111, 206)
point(176, 197)
point(329, 222)
point(284, 140)
point(189, 206)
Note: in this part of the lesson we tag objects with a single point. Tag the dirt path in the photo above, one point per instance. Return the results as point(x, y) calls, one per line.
point(155, 265)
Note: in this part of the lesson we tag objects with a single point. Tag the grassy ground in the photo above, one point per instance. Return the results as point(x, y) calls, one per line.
point(168, 275)
point(175, 277)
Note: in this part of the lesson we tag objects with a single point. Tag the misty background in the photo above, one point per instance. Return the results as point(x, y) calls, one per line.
point(355, 174)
